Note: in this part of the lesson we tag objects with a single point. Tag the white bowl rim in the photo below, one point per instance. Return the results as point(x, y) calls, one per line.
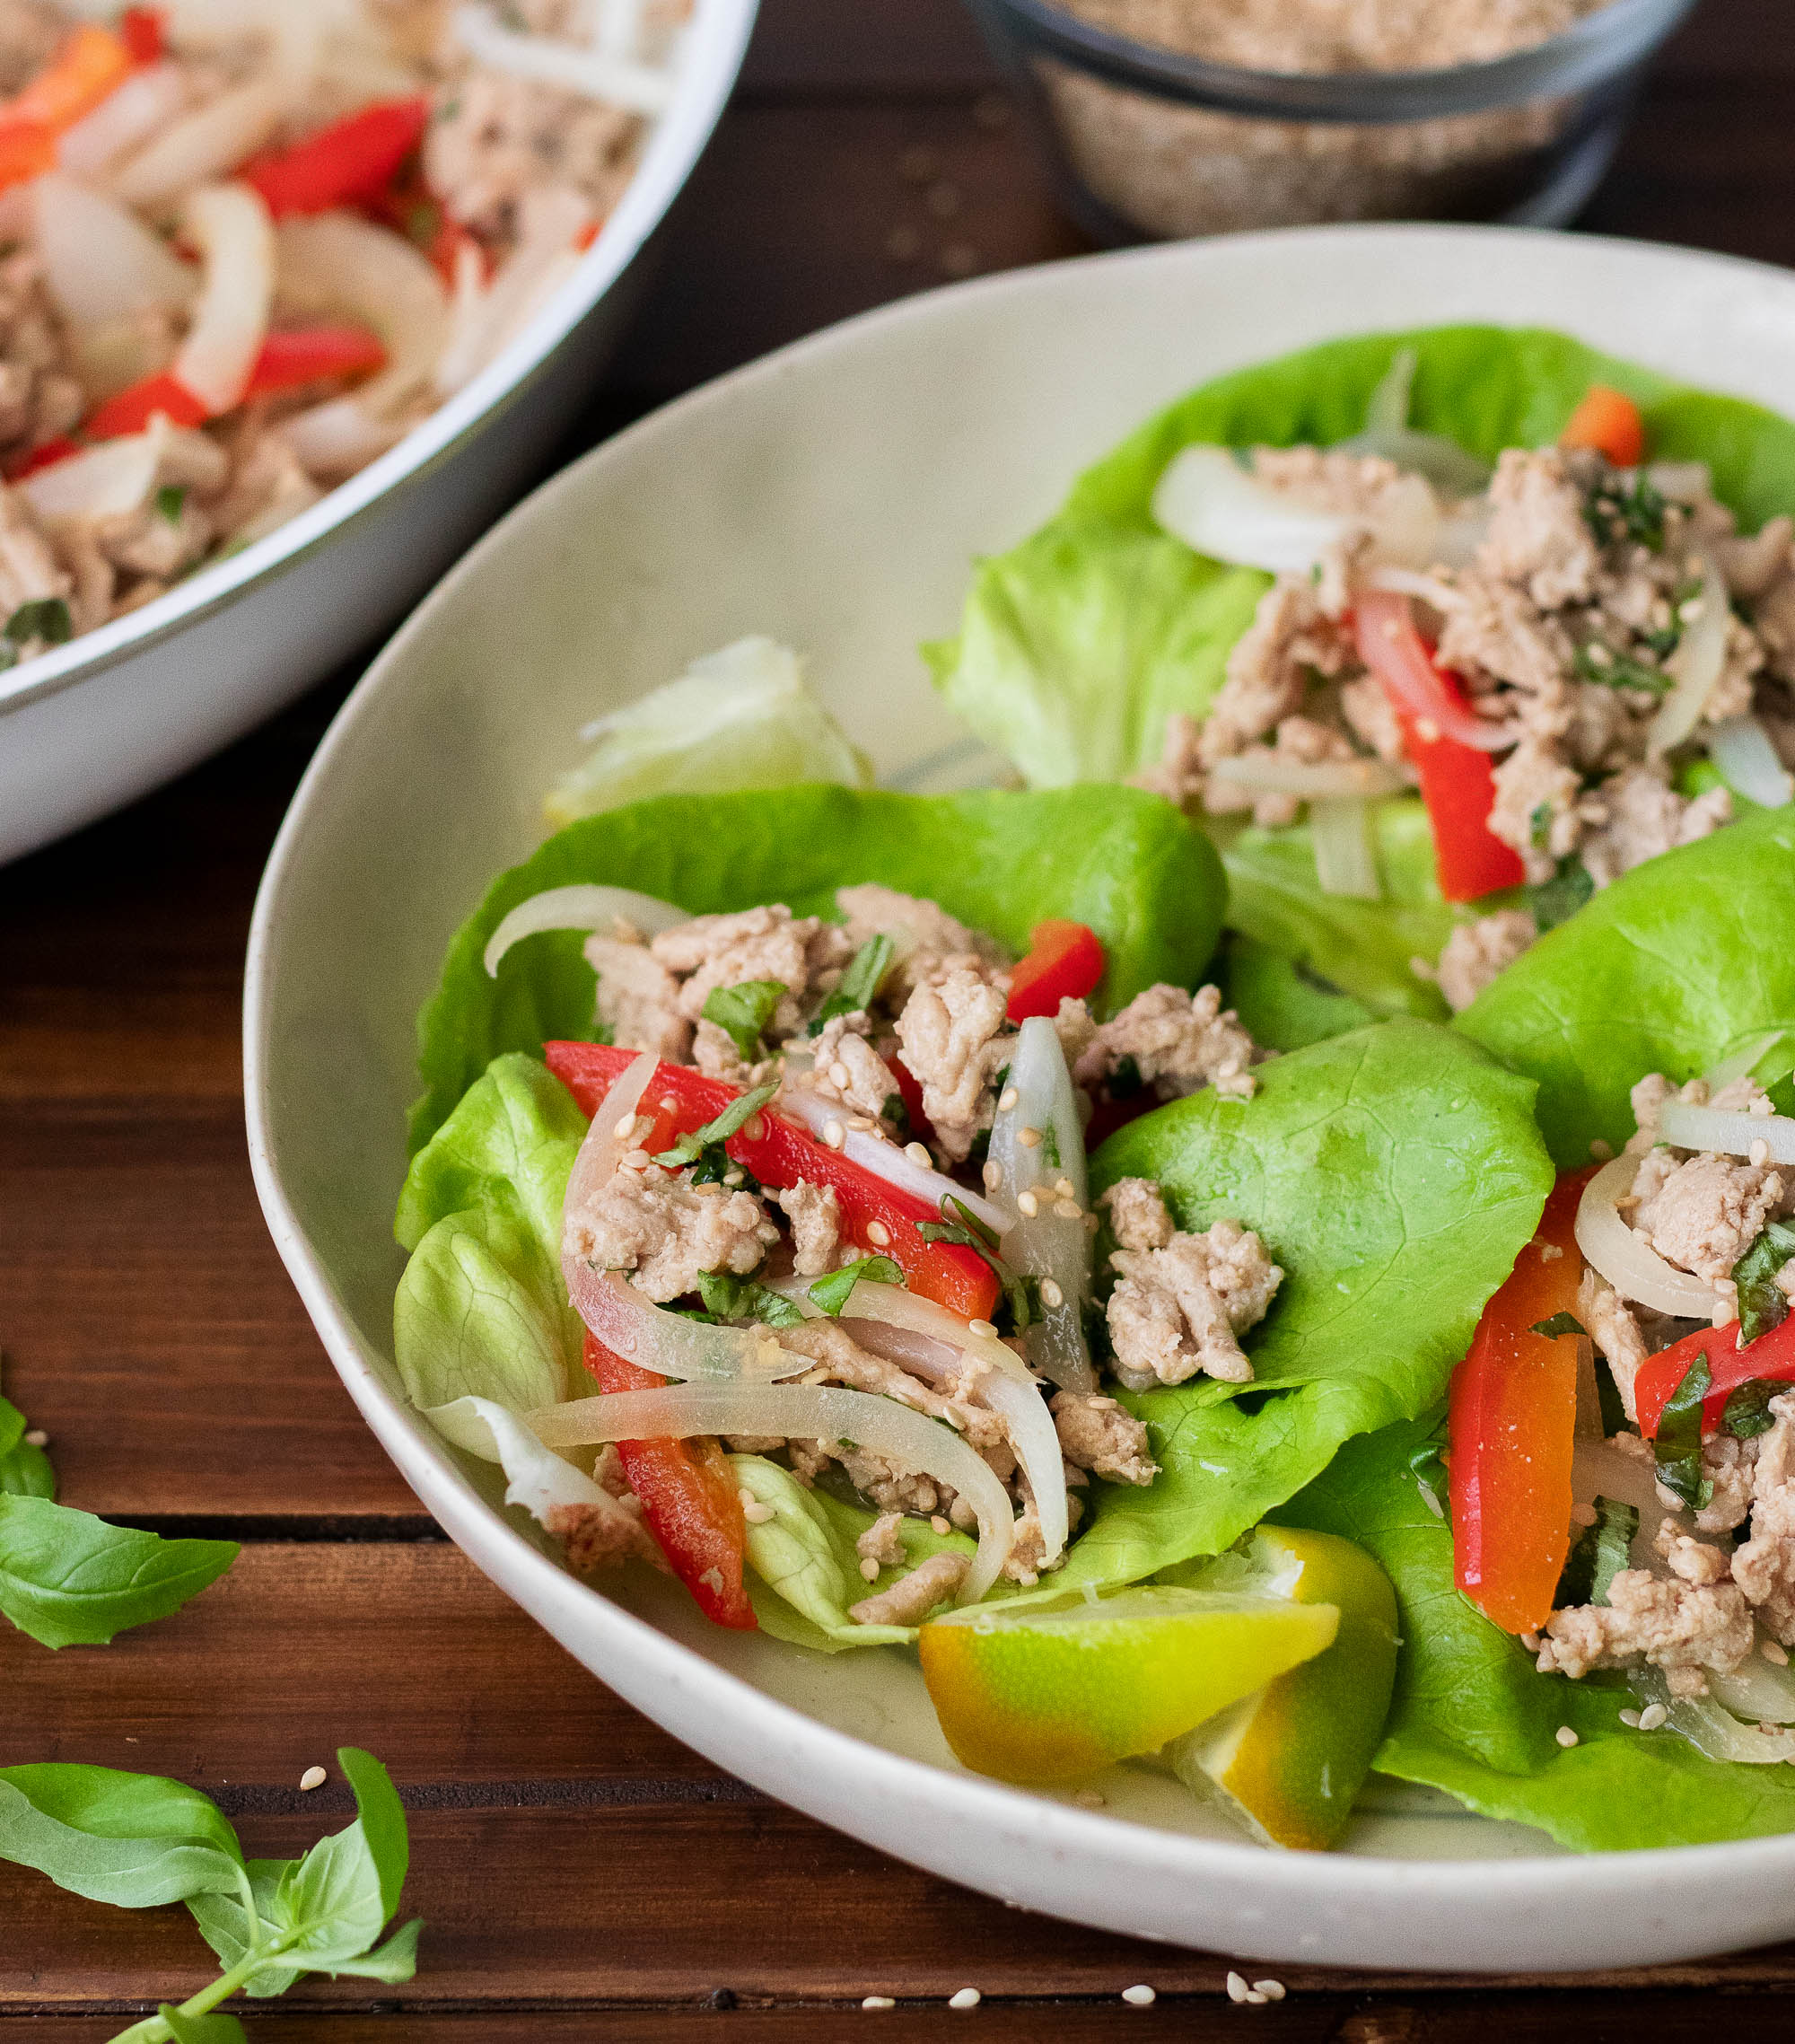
point(544, 1587)
point(716, 39)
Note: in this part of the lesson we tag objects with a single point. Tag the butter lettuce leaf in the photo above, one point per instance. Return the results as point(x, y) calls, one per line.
point(1472, 1715)
point(1678, 964)
point(1394, 1180)
point(1123, 862)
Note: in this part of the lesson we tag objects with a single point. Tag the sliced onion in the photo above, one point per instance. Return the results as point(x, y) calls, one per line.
point(337, 262)
point(1692, 1128)
point(581, 909)
point(617, 81)
point(101, 263)
point(337, 438)
point(1740, 747)
point(803, 1412)
point(1683, 482)
point(230, 226)
point(113, 478)
point(1740, 1062)
point(1758, 1690)
point(1391, 648)
point(1634, 1270)
point(936, 1362)
point(209, 143)
point(1316, 781)
point(1442, 462)
point(1345, 862)
point(487, 316)
point(672, 1344)
point(603, 1148)
point(1709, 1727)
point(130, 114)
point(885, 1160)
point(1695, 666)
point(1046, 1244)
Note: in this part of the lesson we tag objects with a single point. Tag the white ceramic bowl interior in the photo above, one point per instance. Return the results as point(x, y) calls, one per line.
point(833, 497)
point(118, 711)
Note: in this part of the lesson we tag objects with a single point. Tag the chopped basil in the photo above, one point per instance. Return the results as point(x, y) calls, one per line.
point(1761, 1304)
point(742, 1013)
point(1555, 900)
point(1678, 1445)
point(1021, 1296)
point(1597, 663)
point(1597, 1556)
point(170, 501)
point(1781, 1094)
point(688, 1149)
point(715, 1166)
point(1050, 1148)
point(1622, 510)
point(898, 1115)
point(1559, 1323)
point(1608, 1398)
point(733, 1298)
point(1539, 826)
point(45, 617)
point(1747, 1407)
point(832, 1293)
point(859, 983)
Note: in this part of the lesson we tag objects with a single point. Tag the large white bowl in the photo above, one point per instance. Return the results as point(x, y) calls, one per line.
point(118, 711)
point(833, 495)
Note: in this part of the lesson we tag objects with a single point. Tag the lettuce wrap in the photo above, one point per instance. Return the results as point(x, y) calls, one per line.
point(1076, 645)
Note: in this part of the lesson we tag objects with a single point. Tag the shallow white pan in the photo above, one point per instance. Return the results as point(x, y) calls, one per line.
point(96, 723)
point(833, 497)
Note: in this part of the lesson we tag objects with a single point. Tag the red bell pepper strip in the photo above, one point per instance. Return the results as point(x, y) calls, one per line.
point(352, 160)
point(141, 31)
point(46, 454)
point(293, 356)
point(1064, 961)
point(1458, 782)
point(689, 1498)
point(90, 68)
point(26, 152)
point(1609, 422)
point(1513, 1425)
point(132, 409)
point(781, 1154)
point(1772, 1356)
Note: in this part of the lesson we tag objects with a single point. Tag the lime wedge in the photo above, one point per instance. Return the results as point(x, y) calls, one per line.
point(1046, 1695)
point(1289, 1760)
point(741, 718)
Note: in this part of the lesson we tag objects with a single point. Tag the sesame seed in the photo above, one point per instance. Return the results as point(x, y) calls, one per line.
point(1771, 1649)
point(870, 1569)
point(1691, 611)
point(1652, 1716)
point(732, 1177)
point(878, 1233)
point(756, 1513)
point(918, 1153)
point(1273, 1990)
point(1102, 1405)
point(1630, 1718)
point(1238, 1989)
point(968, 1997)
point(1007, 1098)
point(1029, 1203)
point(755, 1128)
point(833, 1134)
point(839, 1075)
point(992, 1175)
point(1142, 1996)
point(1029, 1137)
point(313, 1777)
point(1530, 1640)
point(981, 1328)
point(1051, 1295)
point(1066, 1188)
point(668, 1102)
point(624, 1128)
point(37, 1438)
point(1550, 1252)
point(1068, 1210)
point(1090, 1799)
point(1599, 1150)
point(1759, 1151)
point(713, 1580)
point(1566, 1736)
point(877, 2001)
point(939, 1525)
point(1428, 729)
point(638, 1160)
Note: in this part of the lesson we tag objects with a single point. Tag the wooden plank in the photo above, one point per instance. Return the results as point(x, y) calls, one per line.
point(920, 48)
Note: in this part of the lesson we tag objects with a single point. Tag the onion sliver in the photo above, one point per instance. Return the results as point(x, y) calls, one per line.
point(337, 438)
point(672, 1344)
point(581, 909)
point(1634, 1270)
point(487, 316)
point(1391, 648)
point(1345, 862)
point(1759, 1690)
point(230, 226)
point(1313, 781)
point(885, 1160)
point(209, 143)
point(1691, 1127)
point(339, 263)
point(619, 81)
point(128, 114)
point(112, 478)
point(1741, 749)
point(101, 263)
point(804, 1412)
point(1698, 664)
point(1709, 1728)
point(1737, 1063)
point(1047, 1244)
point(603, 1148)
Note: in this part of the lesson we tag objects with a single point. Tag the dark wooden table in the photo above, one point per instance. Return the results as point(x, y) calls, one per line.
point(582, 1875)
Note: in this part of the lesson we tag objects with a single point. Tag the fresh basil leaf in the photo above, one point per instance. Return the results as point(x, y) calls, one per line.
point(69, 1579)
point(1627, 511)
point(171, 500)
point(688, 1149)
point(217, 2027)
point(45, 617)
point(1678, 1445)
point(715, 1166)
point(1763, 1303)
point(381, 1817)
point(1596, 661)
point(1021, 1306)
point(831, 1293)
point(732, 1298)
point(1559, 1323)
point(227, 1927)
point(1598, 1555)
point(1781, 1094)
point(742, 1013)
point(136, 1841)
point(1746, 1412)
point(858, 983)
point(1609, 1399)
point(1555, 900)
point(25, 1470)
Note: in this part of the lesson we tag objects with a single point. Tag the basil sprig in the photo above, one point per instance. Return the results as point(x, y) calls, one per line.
point(1678, 1442)
point(742, 1013)
point(1599, 1554)
point(832, 1292)
point(1763, 1304)
point(690, 1148)
point(25, 1469)
point(858, 983)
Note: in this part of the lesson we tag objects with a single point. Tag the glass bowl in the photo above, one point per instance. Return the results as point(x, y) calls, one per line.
point(1148, 143)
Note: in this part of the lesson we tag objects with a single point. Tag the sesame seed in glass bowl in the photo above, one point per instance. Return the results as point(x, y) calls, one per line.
point(1163, 119)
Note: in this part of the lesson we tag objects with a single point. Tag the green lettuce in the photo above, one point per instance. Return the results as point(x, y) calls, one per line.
point(1122, 861)
point(1680, 963)
point(1395, 1178)
point(1472, 1716)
